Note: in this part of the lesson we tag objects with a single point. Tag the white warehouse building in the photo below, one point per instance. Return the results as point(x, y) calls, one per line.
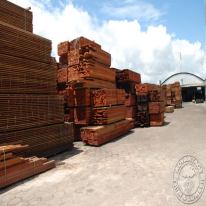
point(192, 85)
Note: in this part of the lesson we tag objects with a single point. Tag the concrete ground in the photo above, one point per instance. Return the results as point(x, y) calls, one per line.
point(136, 169)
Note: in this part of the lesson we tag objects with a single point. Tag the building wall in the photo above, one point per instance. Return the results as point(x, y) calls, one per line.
point(185, 79)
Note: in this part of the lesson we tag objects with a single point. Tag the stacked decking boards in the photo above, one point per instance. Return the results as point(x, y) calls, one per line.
point(16, 16)
point(31, 111)
point(14, 168)
point(89, 88)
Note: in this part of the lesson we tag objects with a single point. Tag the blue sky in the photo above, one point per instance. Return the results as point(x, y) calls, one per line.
point(184, 18)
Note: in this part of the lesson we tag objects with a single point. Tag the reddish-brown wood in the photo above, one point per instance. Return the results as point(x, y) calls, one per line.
point(98, 135)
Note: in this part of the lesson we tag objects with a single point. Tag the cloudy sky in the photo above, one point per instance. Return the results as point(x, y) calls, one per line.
point(153, 37)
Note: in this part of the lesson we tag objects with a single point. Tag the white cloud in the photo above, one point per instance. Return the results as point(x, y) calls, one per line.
point(132, 9)
point(154, 53)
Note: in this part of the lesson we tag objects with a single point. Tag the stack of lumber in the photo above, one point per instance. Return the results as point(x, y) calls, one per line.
point(88, 85)
point(156, 105)
point(174, 95)
point(130, 103)
point(43, 141)
point(83, 59)
point(142, 113)
point(108, 97)
point(127, 79)
point(83, 67)
point(23, 44)
point(108, 110)
point(78, 105)
point(108, 115)
point(14, 168)
point(98, 135)
point(16, 16)
point(23, 111)
point(150, 105)
point(31, 110)
point(22, 75)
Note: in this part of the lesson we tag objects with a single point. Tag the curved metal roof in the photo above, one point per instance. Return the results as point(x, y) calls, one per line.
point(201, 80)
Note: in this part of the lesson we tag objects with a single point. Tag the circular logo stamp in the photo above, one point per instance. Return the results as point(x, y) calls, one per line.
point(188, 180)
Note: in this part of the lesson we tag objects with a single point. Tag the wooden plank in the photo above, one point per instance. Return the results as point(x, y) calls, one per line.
point(27, 111)
point(98, 135)
point(23, 44)
point(127, 75)
point(16, 15)
point(91, 71)
point(20, 75)
point(108, 115)
point(42, 141)
point(108, 97)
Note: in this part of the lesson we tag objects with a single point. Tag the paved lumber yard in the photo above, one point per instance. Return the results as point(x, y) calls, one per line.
point(76, 131)
point(132, 170)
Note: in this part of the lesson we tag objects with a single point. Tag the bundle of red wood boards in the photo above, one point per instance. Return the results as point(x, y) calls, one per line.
point(127, 79)
point(174, 95)
point(130, 100)
point(131, 112)
point(23, 111)
point(177, 95)
point(130, 103)
point(83, 59)
point(15, 15)
point(108, 106)
point(156, 105)
point(108, 110)
point(21, 75)
point(14, 168)
point(108, 115)
point(94, 83)
point(42, 141)
point(127, 75)
point(83, 67)
point(31, 111)
point(78, 105)
point(142, 113)
point(98, 135)
point(144, 89)
point(23, 44)
point(108, 97)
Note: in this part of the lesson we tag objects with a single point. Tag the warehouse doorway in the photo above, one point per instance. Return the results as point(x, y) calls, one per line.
point(193, 93)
